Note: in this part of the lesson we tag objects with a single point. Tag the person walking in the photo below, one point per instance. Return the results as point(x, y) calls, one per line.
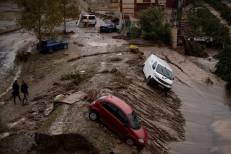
point(24, 90)
point(15, 91)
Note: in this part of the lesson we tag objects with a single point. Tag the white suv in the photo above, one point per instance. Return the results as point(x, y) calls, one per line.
point(158, 71)
point(89, 19)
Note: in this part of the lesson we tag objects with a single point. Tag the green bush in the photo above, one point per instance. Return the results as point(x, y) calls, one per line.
point(135, 32)
point(75, 77)
point(194, 49)
point(154, 26)
point(223, 67)
point(204, 23)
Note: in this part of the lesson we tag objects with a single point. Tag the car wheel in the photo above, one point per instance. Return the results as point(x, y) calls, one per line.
point(130, 141)
point(93, 116)
point(167, 89)
point(149, 80)
point(51, 50)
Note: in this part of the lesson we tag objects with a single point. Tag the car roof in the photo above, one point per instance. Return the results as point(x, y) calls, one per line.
point(118, 102)
point(87, 15)
point(161, 61)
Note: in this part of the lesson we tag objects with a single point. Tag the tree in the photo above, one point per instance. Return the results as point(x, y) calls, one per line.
point(209, 27)
point(40, 16)
point(154, 26)
point(223, 67)
point(69, 10)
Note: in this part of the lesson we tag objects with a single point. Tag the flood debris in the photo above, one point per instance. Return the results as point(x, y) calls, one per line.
point(91, 55)
point(92, 94)
point(49, 109)
point(71, 98)
point(2, 103)
point(4, 135)
point(14, 124)
point(209, 81)
point(170, 62)
point(115, 59)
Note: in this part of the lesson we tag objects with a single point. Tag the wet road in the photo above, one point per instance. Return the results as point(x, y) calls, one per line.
point(9, 46)
point(208, 119)
point(205, 107)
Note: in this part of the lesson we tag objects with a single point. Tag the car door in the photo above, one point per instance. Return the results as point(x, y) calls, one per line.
point(115, 119)
point(123, 124)
point(108, 115)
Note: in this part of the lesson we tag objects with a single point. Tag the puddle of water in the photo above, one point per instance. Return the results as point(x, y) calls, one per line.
point(97, 44)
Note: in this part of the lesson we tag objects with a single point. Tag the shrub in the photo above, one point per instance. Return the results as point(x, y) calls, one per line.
point(204, 23)
point(223, 67)
point(74, 77)
point(154, 26)
point(194, 49)
point(222, 8)
point(135, 32)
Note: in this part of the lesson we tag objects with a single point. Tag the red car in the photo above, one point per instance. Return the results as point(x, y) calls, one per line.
point(119, 117)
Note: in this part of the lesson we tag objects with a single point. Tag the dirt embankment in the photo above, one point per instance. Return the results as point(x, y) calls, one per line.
point(117, 72)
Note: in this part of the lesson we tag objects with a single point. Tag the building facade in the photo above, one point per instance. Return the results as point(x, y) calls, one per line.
point(132, 7)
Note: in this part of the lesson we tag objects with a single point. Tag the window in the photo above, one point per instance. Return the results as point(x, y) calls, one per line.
point(122, 117)
point(147, 1)
point(135, 124)
point(164, 71)
point(116, 112)
point(91, 17)
point(84, 17)
point(110, 108)
point(154, 65)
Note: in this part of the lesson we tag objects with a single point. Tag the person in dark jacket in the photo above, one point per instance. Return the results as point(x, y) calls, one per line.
point(24, 90)
point(15, 91)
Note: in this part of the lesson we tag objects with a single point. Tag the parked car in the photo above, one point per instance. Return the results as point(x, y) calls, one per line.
point(47, 46)
point(88, 20)
point(108, 28)
point(156, 70)
point(120, 118)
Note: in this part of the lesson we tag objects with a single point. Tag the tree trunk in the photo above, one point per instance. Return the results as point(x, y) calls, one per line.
point(64, 16)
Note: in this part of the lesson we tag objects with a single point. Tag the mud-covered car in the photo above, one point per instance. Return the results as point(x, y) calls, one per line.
point(120, 118)
point(108, 28)
point(156, 70)
point(47, 46)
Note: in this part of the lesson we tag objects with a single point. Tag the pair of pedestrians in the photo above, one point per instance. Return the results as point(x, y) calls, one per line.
point(16, 92)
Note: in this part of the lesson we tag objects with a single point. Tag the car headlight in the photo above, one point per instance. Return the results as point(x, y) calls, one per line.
point(141, 140)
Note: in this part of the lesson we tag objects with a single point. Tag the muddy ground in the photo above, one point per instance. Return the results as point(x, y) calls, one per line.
point(113, 70)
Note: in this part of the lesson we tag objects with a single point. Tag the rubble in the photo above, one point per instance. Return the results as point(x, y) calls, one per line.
point(70, 99)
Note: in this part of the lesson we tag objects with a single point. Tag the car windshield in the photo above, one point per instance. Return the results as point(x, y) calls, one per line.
point(91, 17)
point(164, 71)
point(84, 17)
point(133, 119)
